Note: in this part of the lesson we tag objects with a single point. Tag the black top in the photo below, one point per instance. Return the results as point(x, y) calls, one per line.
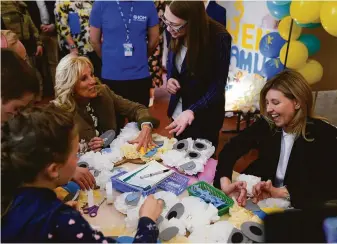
point(311, 175)
point(203, 95)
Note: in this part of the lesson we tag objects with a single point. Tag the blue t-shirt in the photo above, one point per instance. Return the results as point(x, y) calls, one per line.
point(106, 16)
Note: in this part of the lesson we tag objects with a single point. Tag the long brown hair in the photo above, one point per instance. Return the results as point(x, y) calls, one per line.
point(30, 141)
point(197, 32)
point(294, 86)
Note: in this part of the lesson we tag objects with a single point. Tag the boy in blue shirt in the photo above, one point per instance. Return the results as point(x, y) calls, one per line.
point(124, 34)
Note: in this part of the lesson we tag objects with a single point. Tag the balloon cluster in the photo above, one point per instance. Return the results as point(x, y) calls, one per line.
point(291, 48)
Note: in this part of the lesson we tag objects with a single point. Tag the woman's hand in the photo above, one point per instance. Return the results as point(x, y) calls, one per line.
point(39, 51)
point(237, 190)
point(144, 138)
point(181, 122)
point(96, 144)
point(151, 208)
point(47, 28)
point(84, 178)
point(265, 189)
point(172, 86)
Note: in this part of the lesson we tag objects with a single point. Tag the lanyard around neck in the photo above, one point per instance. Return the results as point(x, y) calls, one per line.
point(126, 23)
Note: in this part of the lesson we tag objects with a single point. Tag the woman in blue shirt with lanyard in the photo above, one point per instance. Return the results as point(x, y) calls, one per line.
point(197, 70)
point(130, 34)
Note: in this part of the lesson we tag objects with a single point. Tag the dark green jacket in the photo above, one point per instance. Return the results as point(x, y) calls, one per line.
point(15, 17)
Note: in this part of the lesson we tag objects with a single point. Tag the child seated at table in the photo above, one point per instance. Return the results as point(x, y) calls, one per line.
point(38, 154)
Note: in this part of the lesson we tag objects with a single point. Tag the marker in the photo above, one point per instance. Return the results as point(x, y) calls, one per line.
point(156, 173)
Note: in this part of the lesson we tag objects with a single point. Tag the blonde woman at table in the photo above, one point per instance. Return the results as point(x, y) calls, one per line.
point(297, 152)
point(38, 154)
point(96, 108)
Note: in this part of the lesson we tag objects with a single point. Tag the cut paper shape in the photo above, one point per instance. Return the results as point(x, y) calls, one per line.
point(253, 231)
point(252, 206)
point(159, 220)
point(199, 146)
point(193, 155)
point(237, 237)
point(108, 137)
point(188, 166)
point(83, 164)
point(168, 233)
point(133, 198)
point(181, 145)
point(176, 211)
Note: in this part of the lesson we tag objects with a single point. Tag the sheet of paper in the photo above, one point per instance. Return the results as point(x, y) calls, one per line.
point(150, 167)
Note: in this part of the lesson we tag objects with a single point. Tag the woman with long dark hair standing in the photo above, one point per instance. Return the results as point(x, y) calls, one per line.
point(197, 69)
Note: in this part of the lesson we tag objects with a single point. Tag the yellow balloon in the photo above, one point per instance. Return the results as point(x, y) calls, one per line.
point(284, 29)
point(312, 71)
point(297, 54)
point(304, 11)
point(329, 17)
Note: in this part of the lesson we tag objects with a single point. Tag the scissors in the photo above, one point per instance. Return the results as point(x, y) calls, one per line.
point(92, 211)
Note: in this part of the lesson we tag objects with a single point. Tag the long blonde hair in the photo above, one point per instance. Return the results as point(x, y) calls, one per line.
point(294, 86)
point(68, 73)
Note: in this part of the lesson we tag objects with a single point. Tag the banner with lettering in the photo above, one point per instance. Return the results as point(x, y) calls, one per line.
point(248, 22)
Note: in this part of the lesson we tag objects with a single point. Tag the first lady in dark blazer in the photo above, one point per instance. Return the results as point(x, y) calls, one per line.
point(297, 152)
point(197, 70)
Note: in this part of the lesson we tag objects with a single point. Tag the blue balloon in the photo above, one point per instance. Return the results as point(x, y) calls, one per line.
point(281, 2)
point(278, 11)
point(311, 42)
point(271, 44)
point(309, 25)
point(272, 67)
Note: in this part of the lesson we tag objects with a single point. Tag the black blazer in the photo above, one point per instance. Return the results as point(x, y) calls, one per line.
point(35, 12)
point(311, 175)
point(205, 97)
point(216, 12)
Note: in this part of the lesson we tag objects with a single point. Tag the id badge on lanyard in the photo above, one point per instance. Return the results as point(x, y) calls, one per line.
point(127, 46)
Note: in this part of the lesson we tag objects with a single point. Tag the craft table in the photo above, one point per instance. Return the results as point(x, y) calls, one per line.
point(111, 222)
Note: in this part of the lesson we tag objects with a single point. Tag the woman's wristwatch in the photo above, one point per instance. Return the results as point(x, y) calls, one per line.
point(72, 46)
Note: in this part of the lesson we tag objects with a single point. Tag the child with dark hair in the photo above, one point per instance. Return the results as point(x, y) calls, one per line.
point(19, 84)
point(38, 153)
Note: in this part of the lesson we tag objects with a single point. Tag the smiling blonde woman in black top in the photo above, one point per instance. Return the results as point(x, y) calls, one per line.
point(297, 152)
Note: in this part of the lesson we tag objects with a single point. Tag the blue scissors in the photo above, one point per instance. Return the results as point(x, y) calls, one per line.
point(92, 211)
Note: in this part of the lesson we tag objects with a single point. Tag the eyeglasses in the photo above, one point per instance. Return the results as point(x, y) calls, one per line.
point(173, 27)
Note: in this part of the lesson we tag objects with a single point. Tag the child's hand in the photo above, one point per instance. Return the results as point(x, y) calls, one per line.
point(151, 208)
point(73, 204)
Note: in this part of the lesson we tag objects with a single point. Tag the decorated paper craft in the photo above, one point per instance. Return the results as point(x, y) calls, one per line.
point(129, 151)
point(177, 217)
point(189, 156)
